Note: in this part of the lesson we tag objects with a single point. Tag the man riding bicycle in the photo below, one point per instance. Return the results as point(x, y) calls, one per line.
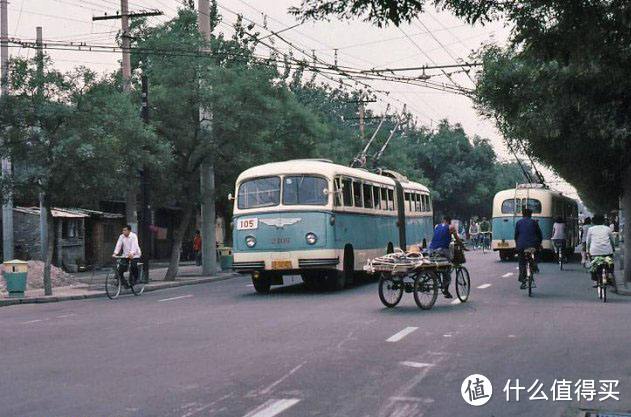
point(440, 246)
point(485, 232)
point(600, 246)
point(127, 244)
point(528, 236)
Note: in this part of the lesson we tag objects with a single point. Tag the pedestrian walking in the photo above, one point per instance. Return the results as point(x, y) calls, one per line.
point(197, 247)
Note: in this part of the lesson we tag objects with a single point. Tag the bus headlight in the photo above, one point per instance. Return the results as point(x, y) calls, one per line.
point(311, 238)
point(250, 241)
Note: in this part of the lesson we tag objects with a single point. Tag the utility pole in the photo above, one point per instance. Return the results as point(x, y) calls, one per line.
point(43, 212)
point(124, 16)
point(207, 169)
point(145, 219)
point(7, 205)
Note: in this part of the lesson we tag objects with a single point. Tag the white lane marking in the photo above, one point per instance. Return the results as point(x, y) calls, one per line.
point(65, 315)
point(413, 399)
point(511, 336)
point(416, 364)
point(273, 407)
point(456, 301)
point(483, 286)
point(400, 335)
point(32, 321)
point(447, 335)
point(517, 268)
point(250, 285)
point(508, 274)
point(284, 377)
point(176, 298)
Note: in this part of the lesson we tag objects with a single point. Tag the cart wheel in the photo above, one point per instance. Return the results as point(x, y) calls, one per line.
point(463, 284)
point(425, 290)
point(390, 290)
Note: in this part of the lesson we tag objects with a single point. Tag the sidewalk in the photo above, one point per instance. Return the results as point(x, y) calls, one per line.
point(92, 285)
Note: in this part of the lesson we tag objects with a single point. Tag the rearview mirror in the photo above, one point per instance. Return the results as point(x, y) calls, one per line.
point(231, 197)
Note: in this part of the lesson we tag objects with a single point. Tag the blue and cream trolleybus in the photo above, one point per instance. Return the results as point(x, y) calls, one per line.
point(546, 206)
point(322, 220)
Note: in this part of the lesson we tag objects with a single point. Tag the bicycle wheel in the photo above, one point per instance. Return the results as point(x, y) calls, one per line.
point(139, 287)
point(425, 290)
point(463, 284)
point(390, 290)
point(529, 277)
point(112, 285)
point(603, 287)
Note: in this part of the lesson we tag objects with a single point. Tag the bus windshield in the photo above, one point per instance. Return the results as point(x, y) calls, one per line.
point(259, 192)
point(305, 189)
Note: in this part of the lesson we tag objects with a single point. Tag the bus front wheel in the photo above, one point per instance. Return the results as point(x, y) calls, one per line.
point(262, 283)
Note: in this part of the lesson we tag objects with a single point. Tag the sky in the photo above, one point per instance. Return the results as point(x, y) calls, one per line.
point(435, 37)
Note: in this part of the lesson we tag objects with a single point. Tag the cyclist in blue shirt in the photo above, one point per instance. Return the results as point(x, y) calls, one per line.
point(440, 246)
point(527, 235)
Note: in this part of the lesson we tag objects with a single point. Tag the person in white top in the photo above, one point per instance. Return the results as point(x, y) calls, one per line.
point(558, 234)
point(127, 246)
point(599, 241)
point(474, 231)
point(587, 223)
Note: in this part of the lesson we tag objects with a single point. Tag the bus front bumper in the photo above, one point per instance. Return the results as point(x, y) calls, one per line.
point(286, 262)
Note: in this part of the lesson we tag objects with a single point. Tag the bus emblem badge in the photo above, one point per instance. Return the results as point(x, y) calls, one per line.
point(280, 223)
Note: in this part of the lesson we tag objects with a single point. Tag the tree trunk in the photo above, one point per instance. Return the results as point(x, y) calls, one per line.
point(48, 286)
point(626, 208)
point(178, 238)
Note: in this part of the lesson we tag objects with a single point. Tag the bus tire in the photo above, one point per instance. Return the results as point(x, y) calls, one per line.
point(262, 284)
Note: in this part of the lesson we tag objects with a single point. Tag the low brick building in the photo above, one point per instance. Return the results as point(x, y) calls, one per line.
point(69, 236)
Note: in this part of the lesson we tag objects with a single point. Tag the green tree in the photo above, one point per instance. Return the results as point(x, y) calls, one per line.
point(67, 134)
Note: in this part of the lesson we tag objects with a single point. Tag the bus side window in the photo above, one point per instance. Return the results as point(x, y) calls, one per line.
point(367, 196)
point(357, 193)
point(390, 199)
point(418, 202)
point(347, 192)
point(429, 203)
point(384, 199)
point(376, 197)
point(425, 203)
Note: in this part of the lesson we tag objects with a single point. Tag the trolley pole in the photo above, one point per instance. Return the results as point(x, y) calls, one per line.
point(145, 218)
point(207, 169)
point(7, 204)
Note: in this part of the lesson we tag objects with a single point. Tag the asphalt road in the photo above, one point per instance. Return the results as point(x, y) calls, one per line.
point(219, 349)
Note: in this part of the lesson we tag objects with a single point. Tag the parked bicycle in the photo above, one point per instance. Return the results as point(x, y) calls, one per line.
point(115, 281)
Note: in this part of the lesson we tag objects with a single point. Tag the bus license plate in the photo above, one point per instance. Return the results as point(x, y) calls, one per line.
point(502, 244)
point(281, 264)
point(248, 224)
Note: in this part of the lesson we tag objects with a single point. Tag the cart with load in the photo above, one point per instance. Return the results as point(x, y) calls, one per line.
point(417, 273)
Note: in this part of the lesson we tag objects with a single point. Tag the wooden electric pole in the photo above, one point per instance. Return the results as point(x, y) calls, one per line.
point(145, 217)
point(125, 15)
point(207, 169)
point(7, 203)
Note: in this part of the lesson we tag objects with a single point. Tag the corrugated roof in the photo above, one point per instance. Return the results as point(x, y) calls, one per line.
point(56, 212)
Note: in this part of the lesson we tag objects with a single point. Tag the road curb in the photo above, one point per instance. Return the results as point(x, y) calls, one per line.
point(158, 286)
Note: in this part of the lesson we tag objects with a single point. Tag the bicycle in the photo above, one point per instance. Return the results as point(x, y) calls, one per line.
point(531, 267)
point(486, 241)
point(558, 250)
point(115, 281)
point(463, 280)
point(602, 266)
